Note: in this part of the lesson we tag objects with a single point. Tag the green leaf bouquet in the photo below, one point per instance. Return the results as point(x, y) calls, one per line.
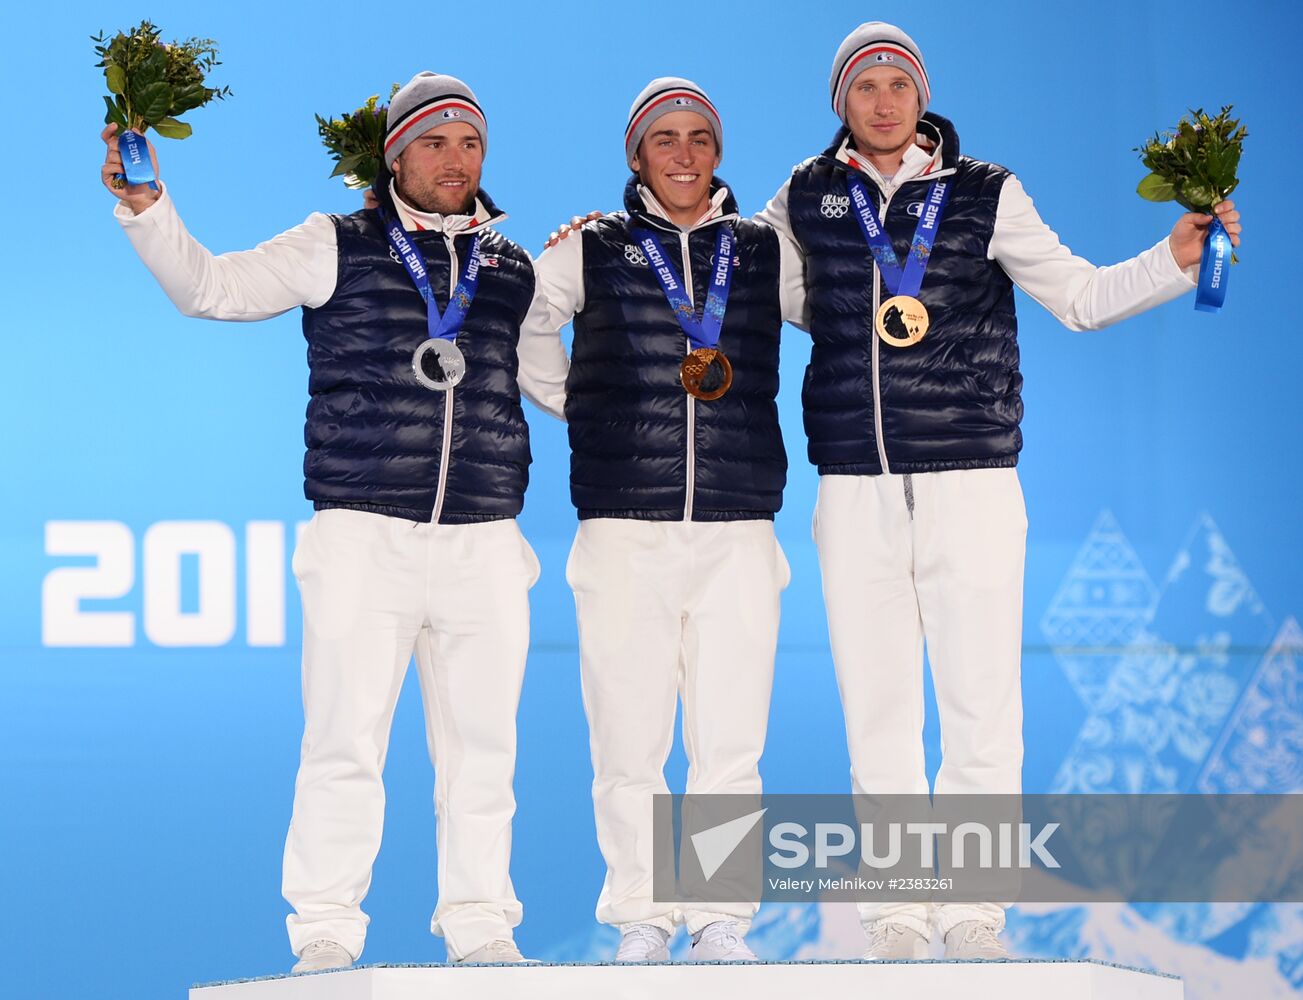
point(151, 82)
point(1194, 165)
point(356, 141)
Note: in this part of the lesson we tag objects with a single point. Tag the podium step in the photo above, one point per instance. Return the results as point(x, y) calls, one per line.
point(1016, 979)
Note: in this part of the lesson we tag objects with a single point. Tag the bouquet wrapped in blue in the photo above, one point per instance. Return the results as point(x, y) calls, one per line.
point(1195, 165)
point(151, 83)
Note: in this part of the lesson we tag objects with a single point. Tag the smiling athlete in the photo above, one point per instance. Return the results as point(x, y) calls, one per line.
point(677, 468)
point(417, 460)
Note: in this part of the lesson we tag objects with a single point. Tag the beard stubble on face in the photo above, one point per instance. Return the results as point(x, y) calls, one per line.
point(429, 198)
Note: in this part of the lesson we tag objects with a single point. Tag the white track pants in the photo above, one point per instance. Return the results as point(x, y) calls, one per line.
point(376, 589)
point(671, 610)
point(950, 570)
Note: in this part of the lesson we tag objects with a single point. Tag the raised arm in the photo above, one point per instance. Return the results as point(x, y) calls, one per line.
point(296, 268)
point(1079, 294)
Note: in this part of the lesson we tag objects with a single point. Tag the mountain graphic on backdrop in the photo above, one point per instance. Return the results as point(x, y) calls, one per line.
point(1190, 703)
point(1155, 719)
point(1101, 607)
point(1261, 750)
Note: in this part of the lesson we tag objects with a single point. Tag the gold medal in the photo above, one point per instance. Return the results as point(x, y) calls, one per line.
point(706, 373)
point(901, 321)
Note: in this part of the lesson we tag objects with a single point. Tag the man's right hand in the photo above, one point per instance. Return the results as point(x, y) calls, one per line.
point(137, 197)
point(553, 238)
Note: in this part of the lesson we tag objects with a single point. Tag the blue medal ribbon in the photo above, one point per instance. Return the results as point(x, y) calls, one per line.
point(702, 332)
point(1214, 269)
point(135, 159)
point(443, 327)
point(909, 279)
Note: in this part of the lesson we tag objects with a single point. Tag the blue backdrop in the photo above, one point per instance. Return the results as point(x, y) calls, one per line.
point(149, 712)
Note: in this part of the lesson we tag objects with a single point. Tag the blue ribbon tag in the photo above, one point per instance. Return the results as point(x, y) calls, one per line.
point(1214, 269)
point(135, 159)
point(443, 327)
point(909, 279)
point(702, 332)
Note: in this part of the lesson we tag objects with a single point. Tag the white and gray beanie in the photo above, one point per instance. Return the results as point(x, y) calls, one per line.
point(426, 101)
point(876, 43)
point(661, 97)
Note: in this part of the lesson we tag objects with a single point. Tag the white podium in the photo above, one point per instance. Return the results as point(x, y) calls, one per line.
point(1016, 979)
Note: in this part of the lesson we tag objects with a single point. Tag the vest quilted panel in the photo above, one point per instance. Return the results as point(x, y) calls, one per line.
point(952, 401)
point(375, 435)
point(628, 414)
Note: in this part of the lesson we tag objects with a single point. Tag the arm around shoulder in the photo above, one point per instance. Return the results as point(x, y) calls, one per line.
point(558, 297)
point(791, 259)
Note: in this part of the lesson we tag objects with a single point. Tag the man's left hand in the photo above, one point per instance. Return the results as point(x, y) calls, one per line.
point(1191, 231)
point(563, 232)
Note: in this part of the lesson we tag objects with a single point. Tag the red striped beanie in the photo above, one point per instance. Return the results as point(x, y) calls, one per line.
point(876, 44)
point(427, 101)
point(661, 97)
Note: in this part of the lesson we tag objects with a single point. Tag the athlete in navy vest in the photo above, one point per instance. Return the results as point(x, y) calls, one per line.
point(675, 568)
point(912, 407)
point(416, 479)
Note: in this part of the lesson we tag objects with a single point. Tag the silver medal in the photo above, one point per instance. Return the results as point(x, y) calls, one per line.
point(438, 364)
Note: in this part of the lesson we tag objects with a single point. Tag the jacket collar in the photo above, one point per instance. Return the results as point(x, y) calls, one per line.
point(414, 220)
point(644, 209)
point(932, 129)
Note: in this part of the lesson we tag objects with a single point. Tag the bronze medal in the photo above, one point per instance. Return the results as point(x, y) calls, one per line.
point(706, 373)
point(902, 321)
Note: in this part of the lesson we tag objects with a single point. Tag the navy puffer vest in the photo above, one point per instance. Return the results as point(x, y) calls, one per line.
point(640, 446)
point(375, 436)
point(952, 401)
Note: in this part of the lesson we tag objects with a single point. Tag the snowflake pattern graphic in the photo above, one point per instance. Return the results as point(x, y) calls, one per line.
point(1157, 715)
point(1261, 751)
point(1099, 609)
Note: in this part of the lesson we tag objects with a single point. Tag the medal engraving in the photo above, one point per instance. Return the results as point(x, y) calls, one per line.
point(438, 364)
point(902, 321)
point(706, 373)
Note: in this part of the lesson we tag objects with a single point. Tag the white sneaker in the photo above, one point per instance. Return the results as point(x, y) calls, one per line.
point(500, 952)
point(320, 955)
point(975, 939)
point(890, 941)
point(721, 941)
point(643, 943)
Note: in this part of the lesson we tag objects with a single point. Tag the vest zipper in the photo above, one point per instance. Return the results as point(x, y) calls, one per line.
point(689, 496)
point(446, 447)
point(877, 343)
